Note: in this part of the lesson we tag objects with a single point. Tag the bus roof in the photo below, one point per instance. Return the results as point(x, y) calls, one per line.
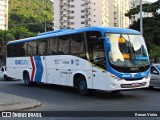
point(73, 31)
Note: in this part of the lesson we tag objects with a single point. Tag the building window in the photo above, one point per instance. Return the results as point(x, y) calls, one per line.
point(72, 17)
point(82, 16)
point(72, 6)
point(82, 5)
point(72, 11)
point(82, 11)
point(72, 23)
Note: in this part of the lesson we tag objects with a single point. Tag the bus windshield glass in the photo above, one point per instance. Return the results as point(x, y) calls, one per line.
point(128, 51)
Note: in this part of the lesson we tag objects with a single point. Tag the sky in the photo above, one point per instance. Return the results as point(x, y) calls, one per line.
point(152, 0)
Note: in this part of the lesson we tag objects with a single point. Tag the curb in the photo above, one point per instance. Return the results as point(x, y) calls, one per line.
point(10, 102)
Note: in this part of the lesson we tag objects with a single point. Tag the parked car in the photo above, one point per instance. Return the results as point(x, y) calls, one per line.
point(3, 73)
point(155, 76)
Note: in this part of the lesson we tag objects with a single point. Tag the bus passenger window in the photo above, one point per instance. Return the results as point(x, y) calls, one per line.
point(77, 44)
point(42, 47)
point(92, 40)
point(63, 45)
point(22, 49)
point(32, 48)
point(52, 46)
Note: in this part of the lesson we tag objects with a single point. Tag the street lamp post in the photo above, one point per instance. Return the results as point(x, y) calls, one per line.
point(141, 18)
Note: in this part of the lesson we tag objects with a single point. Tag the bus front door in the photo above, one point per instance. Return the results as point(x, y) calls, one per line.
point(99, 79)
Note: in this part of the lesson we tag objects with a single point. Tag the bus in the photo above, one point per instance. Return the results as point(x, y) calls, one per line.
point(96, 57)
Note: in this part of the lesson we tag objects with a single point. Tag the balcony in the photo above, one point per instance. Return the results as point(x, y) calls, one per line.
point(64, 4)
point(65, 21)
point(87, 19)
point(87, 1)
point(88, 13)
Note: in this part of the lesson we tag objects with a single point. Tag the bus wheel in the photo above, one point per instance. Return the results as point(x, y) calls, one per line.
point(116, 92)
point(5, 77)
point(82, 86)
point(26, 79)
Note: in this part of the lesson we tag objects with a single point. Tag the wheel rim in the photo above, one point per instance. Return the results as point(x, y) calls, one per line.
point(83, 86)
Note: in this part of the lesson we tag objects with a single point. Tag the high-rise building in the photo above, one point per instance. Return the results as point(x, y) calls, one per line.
point(82, 13)
point(135, 3)
point(3, 14)
point(120, 8)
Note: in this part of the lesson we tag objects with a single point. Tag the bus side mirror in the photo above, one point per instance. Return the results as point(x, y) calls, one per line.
point(107, 44)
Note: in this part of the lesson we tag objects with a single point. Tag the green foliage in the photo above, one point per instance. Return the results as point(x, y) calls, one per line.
point(151, 27)
point(14, 33)
point(154, 54)
point(31, 13)
point(5, 36)
point(21, 32)
point(26, 19)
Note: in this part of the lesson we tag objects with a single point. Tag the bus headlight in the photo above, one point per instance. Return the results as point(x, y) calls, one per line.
point(115, 77)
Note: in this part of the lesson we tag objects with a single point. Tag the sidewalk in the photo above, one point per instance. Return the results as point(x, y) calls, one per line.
point(10, 102)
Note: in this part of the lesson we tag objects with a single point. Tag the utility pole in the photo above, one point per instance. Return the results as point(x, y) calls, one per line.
point(141, 18)
point(45, 27)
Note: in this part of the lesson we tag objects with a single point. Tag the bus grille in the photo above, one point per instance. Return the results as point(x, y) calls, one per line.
point(132, 85)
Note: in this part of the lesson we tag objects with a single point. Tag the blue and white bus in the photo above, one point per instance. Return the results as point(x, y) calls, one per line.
point(103, 58)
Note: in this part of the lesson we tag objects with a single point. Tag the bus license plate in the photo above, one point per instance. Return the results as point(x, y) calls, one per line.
point(136, 84)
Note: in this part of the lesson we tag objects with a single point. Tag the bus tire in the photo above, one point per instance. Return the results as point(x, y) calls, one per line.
point(26, 79)
point(5, 77)
point(116, 92)
point(82, 86)
point(151, 87)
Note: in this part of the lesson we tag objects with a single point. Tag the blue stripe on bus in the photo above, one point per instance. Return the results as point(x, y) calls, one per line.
point(39, 69)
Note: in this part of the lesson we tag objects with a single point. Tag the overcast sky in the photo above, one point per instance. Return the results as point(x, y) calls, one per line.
point(152, 0)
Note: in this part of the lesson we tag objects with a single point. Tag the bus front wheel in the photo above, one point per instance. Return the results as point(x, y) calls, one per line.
point(82, 86)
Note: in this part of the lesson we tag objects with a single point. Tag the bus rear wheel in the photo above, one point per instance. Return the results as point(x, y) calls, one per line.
point(82, 86)
point(26, 79)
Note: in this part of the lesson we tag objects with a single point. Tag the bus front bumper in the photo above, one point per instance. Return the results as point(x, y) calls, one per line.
point(123, 84)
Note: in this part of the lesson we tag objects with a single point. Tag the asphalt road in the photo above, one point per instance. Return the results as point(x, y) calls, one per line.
point(59, 98)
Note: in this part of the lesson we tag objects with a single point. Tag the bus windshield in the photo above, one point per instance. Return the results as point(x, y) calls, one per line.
point(128, 51)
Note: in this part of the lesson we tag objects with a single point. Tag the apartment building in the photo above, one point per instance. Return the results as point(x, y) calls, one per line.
point(82, 13)
point(135, 3)
point(3, 14)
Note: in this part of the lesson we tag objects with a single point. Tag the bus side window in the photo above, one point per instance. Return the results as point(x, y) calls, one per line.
point(42, 47)
point(92, 40)
point(63, 45)
point(22, 49)
point(32, 48)
point(10, 50)
point(78, 45)
point(52, 46)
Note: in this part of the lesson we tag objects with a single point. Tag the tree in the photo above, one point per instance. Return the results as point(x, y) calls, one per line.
point(5, 36)
point(33, 14)
point(12, 34)
point(21, 32)
point(151, 26)
point(26, 19)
